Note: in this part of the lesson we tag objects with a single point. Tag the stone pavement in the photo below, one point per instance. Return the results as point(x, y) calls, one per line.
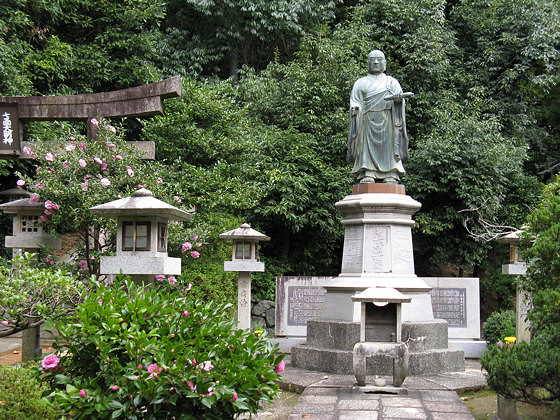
point(331, 396)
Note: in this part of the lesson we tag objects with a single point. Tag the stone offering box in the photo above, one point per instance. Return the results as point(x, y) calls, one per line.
point(380, 332)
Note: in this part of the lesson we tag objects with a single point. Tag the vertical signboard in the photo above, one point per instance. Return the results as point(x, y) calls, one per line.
point(10, 132)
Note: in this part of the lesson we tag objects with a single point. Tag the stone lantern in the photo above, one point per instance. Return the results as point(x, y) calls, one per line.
point(13, 194)
point(141, 250)
point(380, 332)
point(244, 260)
point(518, 267)
point(29, 233)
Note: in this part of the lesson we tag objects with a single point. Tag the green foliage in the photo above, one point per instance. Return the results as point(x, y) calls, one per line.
point(464, 163)
point(20, 394)
point(29, 294)
point(154, 352)
point(205, 34)
point(499, 325)
point(528, 372)
point(541, 240)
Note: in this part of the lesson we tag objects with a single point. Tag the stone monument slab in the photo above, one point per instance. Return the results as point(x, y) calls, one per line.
point(298, 299)
point(457, 300)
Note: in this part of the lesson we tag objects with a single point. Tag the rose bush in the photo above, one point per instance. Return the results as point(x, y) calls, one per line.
point(154, 352)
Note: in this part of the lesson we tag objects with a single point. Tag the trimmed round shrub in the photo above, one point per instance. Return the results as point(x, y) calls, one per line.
point(528, 372)
point(499, 325)
point(152, 352)
point(20, 396)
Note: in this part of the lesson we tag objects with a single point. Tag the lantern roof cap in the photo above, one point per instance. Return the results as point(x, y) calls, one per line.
point(381, 295)
point(22, 204)
point(141, 203)
point(244, 232)
point(511, 237)
point(16, 192)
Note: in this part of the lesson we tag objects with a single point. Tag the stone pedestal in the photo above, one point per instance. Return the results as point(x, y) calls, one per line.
point(244, 300)
point(377, 253)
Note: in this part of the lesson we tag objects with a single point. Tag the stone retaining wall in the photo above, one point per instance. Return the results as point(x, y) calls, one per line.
point(262, 315)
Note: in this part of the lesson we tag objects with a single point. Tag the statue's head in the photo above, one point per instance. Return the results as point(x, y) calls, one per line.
point(376, 62)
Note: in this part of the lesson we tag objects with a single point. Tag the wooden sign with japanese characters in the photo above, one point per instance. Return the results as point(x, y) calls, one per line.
point(10, 144)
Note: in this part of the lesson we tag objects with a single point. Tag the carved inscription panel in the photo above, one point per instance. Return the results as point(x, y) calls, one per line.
point(450, 304)
point(304, 303)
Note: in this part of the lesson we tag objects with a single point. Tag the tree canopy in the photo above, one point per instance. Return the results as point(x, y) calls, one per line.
point(269, 146)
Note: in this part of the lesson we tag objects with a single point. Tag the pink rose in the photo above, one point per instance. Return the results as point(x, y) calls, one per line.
point(94, 122)
point(98, 160)
point(159, 180)
point(72, 138)
point(82, 393)
point(27, 151)
point(185, 314)
point(49, 156)
point(104, 165)
point(177, 198)
point(43, 218)
point(114, 388)
point(70, 148)
point(5, 323)
point(129, 171)
point(34, 198)
point(49, 205)
point(50, 362)
point(172, 280)
point(280, 367)
point(111, 128)
point(105, 182)
point(234, 396)
point(20, 183)
point(140, 366)
point(185, 247)
point(40, 186)
point(160, 277)
point(82, 264)
point(82, 163)
point(195, 254)
point(118, 157)
point(85, 185)
point(82, 146)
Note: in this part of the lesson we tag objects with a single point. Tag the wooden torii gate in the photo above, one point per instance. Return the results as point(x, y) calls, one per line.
point(140, 101)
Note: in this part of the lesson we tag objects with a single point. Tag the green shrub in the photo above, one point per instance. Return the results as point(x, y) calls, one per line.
point(499, 325)
point(20, 396)
point(154, 352)
point(528, 372)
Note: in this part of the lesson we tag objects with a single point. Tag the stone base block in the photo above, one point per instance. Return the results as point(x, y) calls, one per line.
point(341, 361)
point(324, 360)
point(436, 361)
point(426, 334)
point(473, 348)
point(332, 334)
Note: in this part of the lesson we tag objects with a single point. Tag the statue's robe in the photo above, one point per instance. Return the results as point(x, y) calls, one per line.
point(378, 144)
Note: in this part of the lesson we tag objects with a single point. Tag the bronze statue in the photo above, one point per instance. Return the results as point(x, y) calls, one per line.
point(377, 144)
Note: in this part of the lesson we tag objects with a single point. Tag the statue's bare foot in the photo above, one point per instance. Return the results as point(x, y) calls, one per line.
point(366, 180)
point(390, 180)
